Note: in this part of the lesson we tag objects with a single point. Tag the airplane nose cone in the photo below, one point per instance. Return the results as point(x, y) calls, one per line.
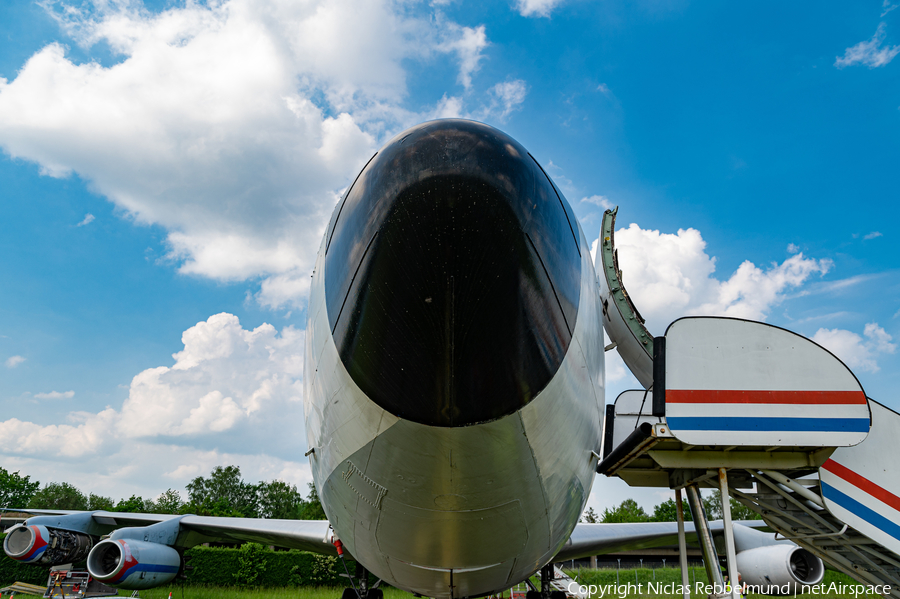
point(452, 275)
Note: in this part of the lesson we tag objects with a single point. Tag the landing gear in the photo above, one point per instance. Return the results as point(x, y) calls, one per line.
point(362, 581)
point(361, 589)
point(547, 591)
point(370, 594)
point(362, 584)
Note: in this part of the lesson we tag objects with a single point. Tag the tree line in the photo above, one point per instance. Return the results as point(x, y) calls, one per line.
point(225, 493)
point(222, 493)
point(630, 511)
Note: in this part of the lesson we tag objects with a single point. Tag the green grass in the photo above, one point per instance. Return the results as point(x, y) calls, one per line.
point(600, 577)
point(204, 592)
point(642, 576)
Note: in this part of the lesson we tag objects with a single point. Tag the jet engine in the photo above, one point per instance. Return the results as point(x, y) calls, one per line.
point(780, 565)
point(36, 544)
point(132, 564)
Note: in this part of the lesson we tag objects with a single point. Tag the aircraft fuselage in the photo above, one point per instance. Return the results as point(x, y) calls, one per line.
point(454, 377)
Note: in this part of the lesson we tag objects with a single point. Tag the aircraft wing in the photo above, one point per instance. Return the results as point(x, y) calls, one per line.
point(307, 535)
point(188, 531)
point(103, 518)
point(315, 535)
point(597, 539)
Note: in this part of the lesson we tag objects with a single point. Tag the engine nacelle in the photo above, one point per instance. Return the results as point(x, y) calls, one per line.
point(787, 567)
point(131, 564)
point(36, 544)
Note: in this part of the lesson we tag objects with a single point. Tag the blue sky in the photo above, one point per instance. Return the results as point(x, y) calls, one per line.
point(167, 171)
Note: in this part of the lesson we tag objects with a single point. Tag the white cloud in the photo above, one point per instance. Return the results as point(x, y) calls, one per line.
point(603, 89)
point(231, 396)
point(821, 317)
point(145, 469)
point(559, 177)
point(225, 390)
point(601, 201)
point(536, 8)
point(750, 292)
point(467, 43)
point(857, 352)
point(233, 124)
point(281, 290)
point(879, 339)
point(504, 98)
point(14, 361)
point(616, 370)
point(55, 395)
point(671, 275)
point(869, 53)
point(448, 108)
point(887, 7)
point(793, 248)
point(501, 100)
point(88, 219)
point(215, 413)
point(873, 235)
point(838, 286)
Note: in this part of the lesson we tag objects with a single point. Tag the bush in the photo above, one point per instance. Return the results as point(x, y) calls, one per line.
point(12, 571)
point(323, 571)
point(251, 564)
point(260, 566)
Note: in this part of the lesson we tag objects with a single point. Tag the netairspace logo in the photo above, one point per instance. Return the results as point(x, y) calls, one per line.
point(703, 589)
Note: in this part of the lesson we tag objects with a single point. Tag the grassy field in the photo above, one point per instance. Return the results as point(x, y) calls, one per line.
point(235, 593)
point(601, 577)
point(645, 579)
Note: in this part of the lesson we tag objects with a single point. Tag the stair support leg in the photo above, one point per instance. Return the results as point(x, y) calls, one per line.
point(730, 554)
point(682, 545)
point(701, 526)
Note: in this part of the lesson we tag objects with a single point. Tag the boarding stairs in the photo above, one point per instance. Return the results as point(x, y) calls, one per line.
point(766, 416)
point(72, 584)
point(561, 582)
point(784, 485)
point(566, 584)
point(799, 514)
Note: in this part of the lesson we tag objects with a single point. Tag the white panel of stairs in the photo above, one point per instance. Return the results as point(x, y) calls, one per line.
point(737, 382)
point(861, 484)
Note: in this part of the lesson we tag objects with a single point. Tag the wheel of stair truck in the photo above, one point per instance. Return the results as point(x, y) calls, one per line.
point(533, 595)
point(375, 594)
point(557, 595)
point(349, 594)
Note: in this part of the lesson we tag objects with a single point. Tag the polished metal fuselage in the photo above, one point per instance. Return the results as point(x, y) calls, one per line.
point(455, 511)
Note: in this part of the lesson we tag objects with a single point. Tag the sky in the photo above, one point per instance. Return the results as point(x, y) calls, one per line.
point(168, 169)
